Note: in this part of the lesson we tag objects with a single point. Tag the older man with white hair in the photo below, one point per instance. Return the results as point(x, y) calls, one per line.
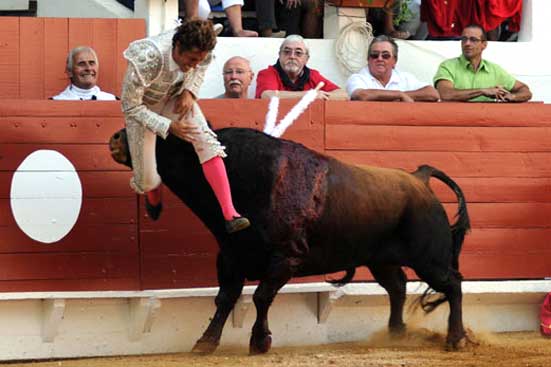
point(82, 68)
point(291, 78)
point(238, 76)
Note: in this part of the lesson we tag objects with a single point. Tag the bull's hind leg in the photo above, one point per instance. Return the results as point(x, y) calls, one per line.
point(393, 280)
point(449, 283)
point(231, 286)
point(277, 275)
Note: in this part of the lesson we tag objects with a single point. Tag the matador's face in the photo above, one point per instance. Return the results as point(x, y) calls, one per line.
point(188, 59)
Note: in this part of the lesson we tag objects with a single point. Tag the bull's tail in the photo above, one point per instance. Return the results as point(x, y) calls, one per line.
point(345, 279)
point(458, 229)
point(462, 224)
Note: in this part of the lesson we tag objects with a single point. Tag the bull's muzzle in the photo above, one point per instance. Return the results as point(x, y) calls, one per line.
point(118, 146)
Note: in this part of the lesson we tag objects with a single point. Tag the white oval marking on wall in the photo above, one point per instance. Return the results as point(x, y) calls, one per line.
point(46, 196)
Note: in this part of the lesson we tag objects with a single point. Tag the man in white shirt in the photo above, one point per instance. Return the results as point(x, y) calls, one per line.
point(380, 81)
point(82, 68)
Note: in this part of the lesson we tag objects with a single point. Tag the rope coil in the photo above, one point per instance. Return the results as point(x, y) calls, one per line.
point(351, 46)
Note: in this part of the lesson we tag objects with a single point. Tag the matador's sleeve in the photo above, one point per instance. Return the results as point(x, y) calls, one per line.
point(145, 64)
point(194, 79)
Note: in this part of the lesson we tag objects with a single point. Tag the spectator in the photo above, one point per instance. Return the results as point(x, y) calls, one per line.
point(470, 78)
point(302, 17)
point(161, 84)
point(238, 76)
point(201, 9)
point(82, 67)
point(380, 81)
point(384, 18)
point(291, 76)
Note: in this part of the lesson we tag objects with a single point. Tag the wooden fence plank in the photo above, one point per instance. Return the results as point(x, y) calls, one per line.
point(81, 32)
point(93, 157)
point(178, 271)
point(58, 130)
point(456, 164)
point(75, 285)
point(68, 266)
point(32, 53)
point(95, 184)
point(446, 139)
point(511, 241)
point(83, 238)
point(105, 45)
point(92, 212)
point(437, 114)
point(496, 189)
point(56, 49)
point(506, 215)
point(528, 266)
point(9, 57)
point(26, 108)
point(128, 30)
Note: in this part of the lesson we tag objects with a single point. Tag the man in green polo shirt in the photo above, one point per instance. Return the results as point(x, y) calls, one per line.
point(470, 78)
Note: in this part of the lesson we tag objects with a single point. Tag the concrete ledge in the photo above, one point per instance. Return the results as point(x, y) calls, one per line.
point(41, 325)
point(507, 288)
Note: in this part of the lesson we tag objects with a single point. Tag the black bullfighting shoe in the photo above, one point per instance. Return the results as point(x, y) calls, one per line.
point(237, 224)
point(154, 211)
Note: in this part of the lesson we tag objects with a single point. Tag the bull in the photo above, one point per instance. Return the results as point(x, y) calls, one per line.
point(312, 214)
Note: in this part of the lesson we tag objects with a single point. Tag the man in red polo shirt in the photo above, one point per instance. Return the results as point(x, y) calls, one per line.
point(290, 75)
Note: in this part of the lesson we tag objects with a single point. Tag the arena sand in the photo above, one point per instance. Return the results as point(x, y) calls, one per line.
point(419, 347)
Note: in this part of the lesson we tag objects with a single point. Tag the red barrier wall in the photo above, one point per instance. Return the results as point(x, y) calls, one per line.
point(499, 154)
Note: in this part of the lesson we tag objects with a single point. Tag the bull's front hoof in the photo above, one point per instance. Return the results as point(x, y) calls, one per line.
point(204, 347)
point(260, 345)
point(456, 345)
point(397, 331)
point(461, 342)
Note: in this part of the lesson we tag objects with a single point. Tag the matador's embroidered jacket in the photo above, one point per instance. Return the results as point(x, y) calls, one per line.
point(153, 78)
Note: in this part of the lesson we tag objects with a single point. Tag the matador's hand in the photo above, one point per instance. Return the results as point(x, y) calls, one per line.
point(184, 129)
point(184, 104)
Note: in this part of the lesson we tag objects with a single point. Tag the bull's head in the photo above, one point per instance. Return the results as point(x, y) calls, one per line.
point(118, 145)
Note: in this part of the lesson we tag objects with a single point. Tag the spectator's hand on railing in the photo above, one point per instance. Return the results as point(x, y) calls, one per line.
point(323, 95)
point(405, 98)
point(504, 95)
point(496, 92)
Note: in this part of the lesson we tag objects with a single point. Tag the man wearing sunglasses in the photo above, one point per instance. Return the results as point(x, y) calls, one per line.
point(237, 76)
point(291, 78)
point(381, 81)
point(469, 78)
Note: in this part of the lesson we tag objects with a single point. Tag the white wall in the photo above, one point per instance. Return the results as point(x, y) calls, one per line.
point(14, 5)
point(82, 9)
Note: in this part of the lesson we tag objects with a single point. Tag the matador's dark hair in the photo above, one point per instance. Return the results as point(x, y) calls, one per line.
point(195, 34)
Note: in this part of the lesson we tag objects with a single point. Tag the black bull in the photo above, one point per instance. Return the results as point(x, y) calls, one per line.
point(312, 214)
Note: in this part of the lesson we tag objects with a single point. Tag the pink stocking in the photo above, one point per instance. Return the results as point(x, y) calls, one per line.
point(215, 173)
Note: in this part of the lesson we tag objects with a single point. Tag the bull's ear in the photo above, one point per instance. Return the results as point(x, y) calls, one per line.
point(118, 146)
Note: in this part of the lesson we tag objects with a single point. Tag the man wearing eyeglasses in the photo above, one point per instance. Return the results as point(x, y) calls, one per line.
point(291, 78)
point(469, 78)
point(381, 81)
point(237, 76)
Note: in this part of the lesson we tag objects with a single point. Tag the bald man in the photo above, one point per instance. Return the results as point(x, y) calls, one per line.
point(237, 76)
